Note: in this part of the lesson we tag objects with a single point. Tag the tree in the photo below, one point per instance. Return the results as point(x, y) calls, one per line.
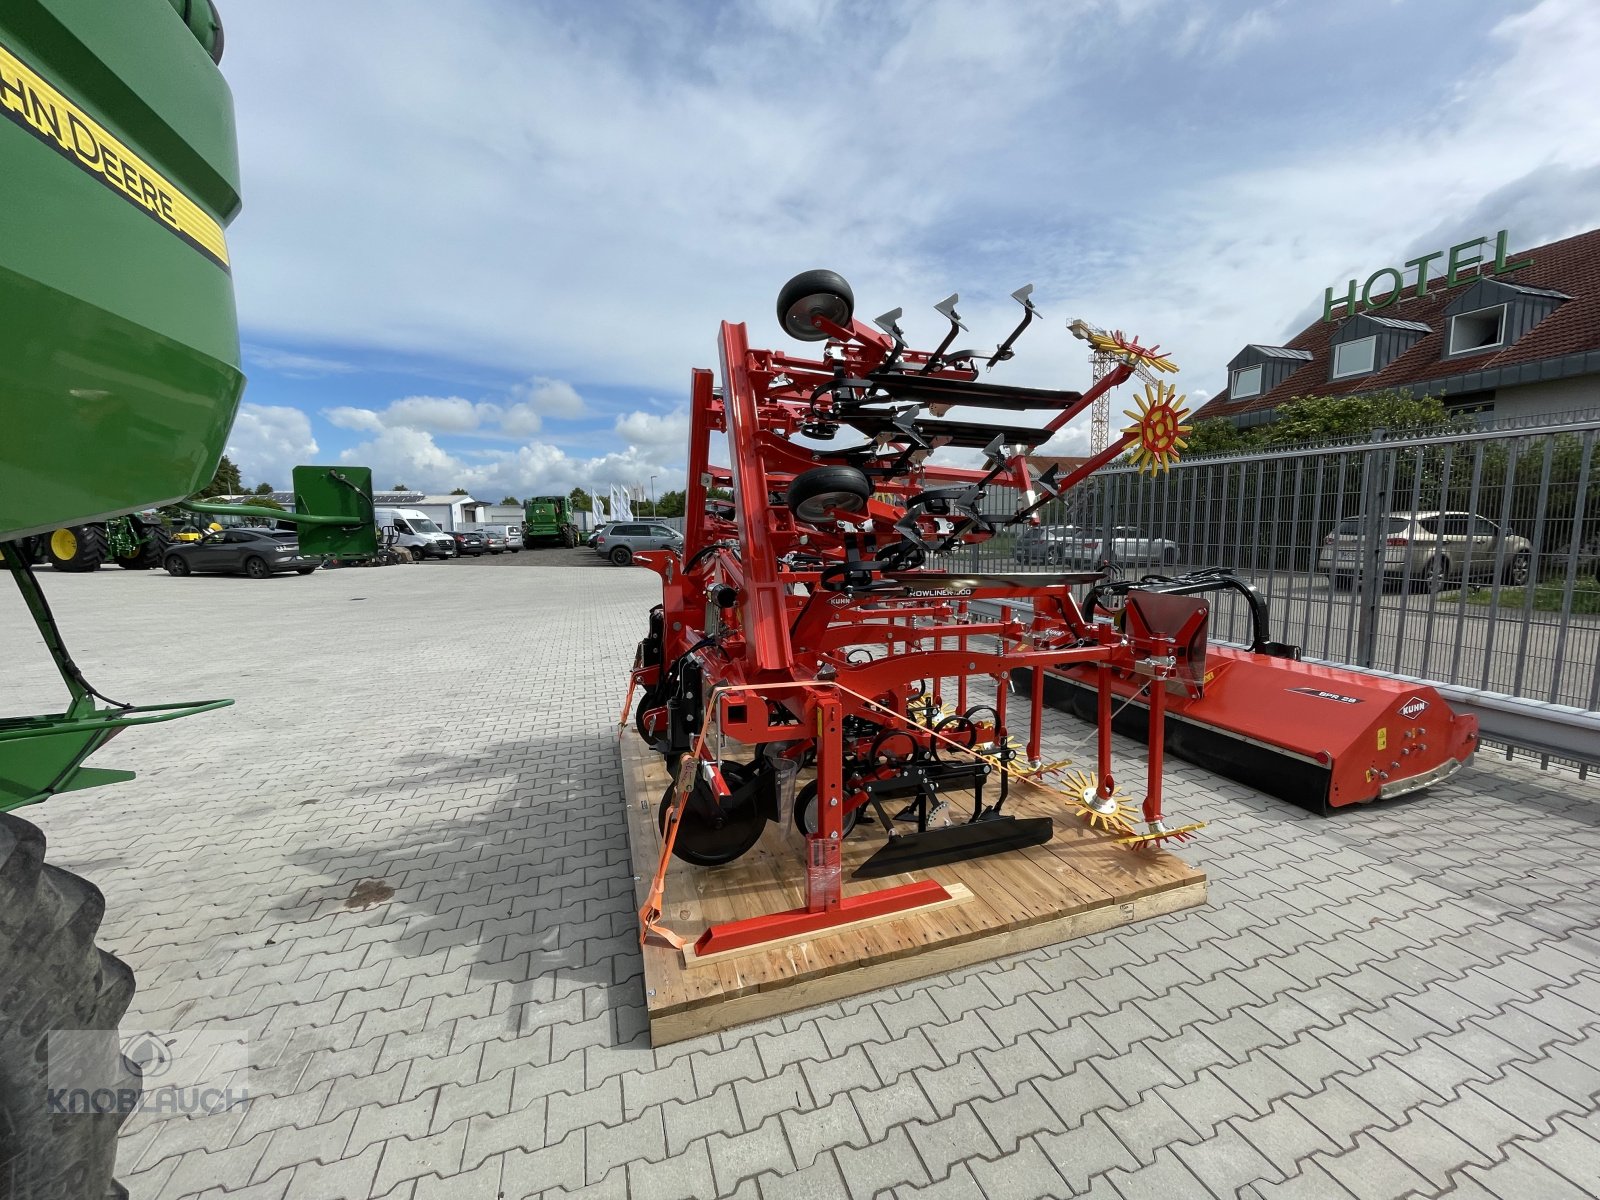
point(1218, 435)
point(510, 501)
point(670, 505)
point(459, 492)
point(579, 500)
point(1321, 418)
point(265, 489)
point(225, 482)
point(400, 487)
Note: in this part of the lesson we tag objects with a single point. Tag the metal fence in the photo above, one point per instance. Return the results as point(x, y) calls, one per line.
point(1469, 558)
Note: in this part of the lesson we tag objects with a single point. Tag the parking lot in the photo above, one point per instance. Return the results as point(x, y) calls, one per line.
point(397, 869)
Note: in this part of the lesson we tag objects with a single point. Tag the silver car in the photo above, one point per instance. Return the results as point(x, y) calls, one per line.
point(1430, 549)
point(1127, 545)
point(1045, 544)
point(620, 541)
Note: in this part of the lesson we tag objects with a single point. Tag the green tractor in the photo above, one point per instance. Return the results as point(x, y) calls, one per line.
point(135, 542)
point(119, 358)
point(547, 521)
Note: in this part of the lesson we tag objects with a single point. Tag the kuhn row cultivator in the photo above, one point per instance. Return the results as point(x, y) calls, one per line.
point(806, 624)
point(803, 625)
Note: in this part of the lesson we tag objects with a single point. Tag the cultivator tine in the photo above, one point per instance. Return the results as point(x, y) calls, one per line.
point(947, 309)
point(1023, 296)
point(955, 843)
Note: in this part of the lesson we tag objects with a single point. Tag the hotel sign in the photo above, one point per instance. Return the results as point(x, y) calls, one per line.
point(1390, 282)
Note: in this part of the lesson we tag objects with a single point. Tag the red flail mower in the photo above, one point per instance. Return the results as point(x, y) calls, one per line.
point(805, 623)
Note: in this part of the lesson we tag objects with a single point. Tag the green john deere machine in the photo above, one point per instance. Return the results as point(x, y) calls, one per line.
point(119, 377)
point(547, 521)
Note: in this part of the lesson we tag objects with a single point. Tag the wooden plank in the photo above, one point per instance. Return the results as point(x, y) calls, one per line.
point(1079, 882)
point(694, 1022)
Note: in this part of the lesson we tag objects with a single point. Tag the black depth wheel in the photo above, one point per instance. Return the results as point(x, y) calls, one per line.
point(821, 491)
point(709, 835)
point(806, 814)
point(814, 294)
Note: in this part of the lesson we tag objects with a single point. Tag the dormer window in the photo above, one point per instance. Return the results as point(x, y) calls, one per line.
point(1246, 383)
point(1355, 358)
point(1476, 331)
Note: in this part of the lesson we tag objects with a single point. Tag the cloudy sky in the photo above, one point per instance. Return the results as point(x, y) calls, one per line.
point(483, 243)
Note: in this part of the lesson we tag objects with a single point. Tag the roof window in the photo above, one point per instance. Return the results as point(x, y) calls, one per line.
point(1355, 358)
point(1246, 383)
point(1473, 332)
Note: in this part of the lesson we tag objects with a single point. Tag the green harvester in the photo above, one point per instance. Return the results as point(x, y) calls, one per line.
point(547, 521)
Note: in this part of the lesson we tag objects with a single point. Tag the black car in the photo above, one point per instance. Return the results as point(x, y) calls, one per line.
point(470, 541)
point(257, 553)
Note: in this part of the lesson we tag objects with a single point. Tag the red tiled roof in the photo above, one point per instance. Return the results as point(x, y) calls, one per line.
point(1043, 462)
point(1570, 266)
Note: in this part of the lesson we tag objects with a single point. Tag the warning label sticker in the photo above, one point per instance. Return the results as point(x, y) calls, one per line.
point(29, 102)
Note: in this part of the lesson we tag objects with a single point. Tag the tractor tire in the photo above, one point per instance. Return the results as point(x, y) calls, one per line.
point(78, 548)
point(56, 979)
point(814, 294)
point(822, 490)
point(569, 536)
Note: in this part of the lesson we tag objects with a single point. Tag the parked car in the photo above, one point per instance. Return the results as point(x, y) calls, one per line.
point(1430, 548)
point(1045, 543)
point(623, 538)
point(494, 542)
point(1127, 544)
point(594, 537)
point(469, 541)
point(506, 537)
point(258, 553)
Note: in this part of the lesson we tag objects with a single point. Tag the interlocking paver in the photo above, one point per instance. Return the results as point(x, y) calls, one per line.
point(1359, 992)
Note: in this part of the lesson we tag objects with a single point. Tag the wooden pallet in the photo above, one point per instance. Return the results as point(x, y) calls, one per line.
point(1079, 883)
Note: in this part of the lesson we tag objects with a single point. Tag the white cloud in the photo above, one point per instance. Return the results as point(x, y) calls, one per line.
point(295, 366)
point(668, 431)
point(642, 179)
point(362, 420)
point(412, 456)
point(269, 441)
point(441, 414)
point(550, 398)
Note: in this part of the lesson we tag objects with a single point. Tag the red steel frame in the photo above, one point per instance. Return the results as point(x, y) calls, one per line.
point(780, 649)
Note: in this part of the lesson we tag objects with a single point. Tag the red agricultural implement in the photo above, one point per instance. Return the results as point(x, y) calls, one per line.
point(806, 623)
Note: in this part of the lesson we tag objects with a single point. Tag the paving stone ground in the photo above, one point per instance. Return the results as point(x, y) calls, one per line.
point(1398, 1001)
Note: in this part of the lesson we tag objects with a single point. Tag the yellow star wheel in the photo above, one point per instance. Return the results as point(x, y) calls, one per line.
point(1158, 427)
point(1154, 838)
point(1111, 813)
point(1120, 346)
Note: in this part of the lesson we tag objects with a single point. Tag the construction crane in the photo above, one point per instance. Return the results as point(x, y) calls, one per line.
point(1107, 349)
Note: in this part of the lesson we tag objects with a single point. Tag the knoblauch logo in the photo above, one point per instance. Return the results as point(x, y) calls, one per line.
point(1414, 707)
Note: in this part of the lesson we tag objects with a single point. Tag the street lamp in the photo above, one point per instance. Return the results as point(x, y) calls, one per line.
point(653, 511)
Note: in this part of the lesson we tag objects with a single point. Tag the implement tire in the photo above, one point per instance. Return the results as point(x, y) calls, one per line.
point(79, 548)
point(56, 979)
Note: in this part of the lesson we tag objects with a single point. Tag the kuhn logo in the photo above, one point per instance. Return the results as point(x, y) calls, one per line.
point(1414, 707)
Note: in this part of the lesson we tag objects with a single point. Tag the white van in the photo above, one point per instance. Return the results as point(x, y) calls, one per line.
point(416, 532)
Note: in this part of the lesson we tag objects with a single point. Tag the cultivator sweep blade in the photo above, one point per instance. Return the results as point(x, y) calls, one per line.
point(905, 852)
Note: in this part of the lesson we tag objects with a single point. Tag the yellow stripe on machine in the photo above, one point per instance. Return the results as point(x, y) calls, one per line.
point(29, 101)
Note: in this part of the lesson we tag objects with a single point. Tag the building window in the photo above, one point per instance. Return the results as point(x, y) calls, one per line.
point(1246, 383)
point(1354, 358)
point(1475, 331)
